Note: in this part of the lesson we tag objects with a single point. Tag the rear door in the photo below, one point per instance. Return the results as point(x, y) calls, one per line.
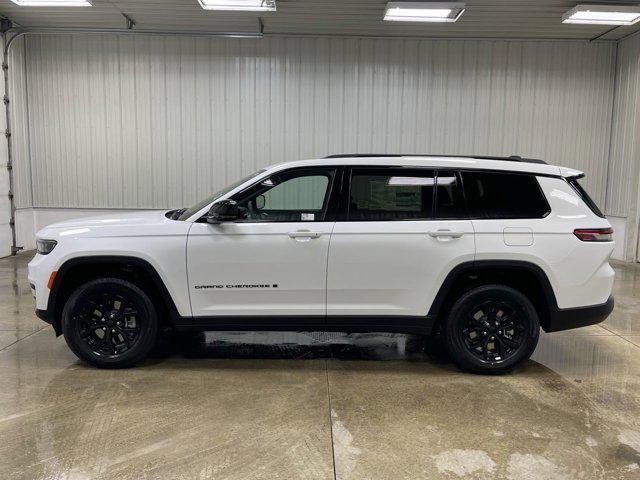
point(400, 239)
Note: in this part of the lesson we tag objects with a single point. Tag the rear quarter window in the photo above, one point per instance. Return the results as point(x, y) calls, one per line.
point(494, 195)
point(585, 197)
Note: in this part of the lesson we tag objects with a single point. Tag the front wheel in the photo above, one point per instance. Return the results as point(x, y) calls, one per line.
point(491, 329)
point(110, 323)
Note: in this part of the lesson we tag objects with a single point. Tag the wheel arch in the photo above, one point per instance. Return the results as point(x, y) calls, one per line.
point(524, 276)
point(75, 271)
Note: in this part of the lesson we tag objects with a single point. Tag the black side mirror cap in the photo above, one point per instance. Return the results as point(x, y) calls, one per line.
point(223, 211)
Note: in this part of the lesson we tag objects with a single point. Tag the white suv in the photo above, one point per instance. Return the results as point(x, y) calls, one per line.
point(483, 250)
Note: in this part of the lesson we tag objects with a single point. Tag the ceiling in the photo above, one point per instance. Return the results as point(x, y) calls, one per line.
point(482, 19)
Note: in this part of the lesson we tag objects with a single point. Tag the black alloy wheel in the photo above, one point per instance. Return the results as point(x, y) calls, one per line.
point(491, 329)
point(110, 322)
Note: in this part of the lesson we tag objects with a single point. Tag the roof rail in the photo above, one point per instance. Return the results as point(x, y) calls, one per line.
point(512, 158)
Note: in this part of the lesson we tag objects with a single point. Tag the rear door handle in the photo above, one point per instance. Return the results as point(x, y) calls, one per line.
point(445, 233)
point(305, 234)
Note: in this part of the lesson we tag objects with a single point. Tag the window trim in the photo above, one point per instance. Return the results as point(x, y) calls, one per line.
point(331, 171)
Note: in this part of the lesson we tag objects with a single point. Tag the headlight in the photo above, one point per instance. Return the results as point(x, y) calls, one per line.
point(44, 247)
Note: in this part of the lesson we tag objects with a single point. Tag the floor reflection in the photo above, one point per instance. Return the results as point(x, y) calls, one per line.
point(302, 345)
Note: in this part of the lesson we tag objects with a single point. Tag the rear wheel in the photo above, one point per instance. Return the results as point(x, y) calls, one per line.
point(491, 329)
point(110, 323)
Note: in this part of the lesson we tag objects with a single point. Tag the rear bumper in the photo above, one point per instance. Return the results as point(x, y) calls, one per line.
point(567, 318)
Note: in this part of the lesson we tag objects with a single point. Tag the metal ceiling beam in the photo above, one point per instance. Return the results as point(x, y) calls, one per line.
point(19, 32)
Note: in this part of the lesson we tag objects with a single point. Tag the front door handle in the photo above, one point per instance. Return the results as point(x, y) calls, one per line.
point(305, 234)
point(444, 232)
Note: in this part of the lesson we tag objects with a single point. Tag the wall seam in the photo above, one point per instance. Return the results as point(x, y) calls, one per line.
point(611, 120)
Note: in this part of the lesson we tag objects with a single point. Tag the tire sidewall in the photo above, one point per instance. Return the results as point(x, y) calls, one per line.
point(465, 359)
point(133, 293)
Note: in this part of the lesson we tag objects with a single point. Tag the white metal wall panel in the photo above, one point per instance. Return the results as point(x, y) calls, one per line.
point(20, 124)
point(142, 122)
point(625, 146)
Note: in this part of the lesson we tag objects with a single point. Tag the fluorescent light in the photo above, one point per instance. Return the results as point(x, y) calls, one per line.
point(602, 15)
point(240, 5)
point(52, 3)
point(423, 11)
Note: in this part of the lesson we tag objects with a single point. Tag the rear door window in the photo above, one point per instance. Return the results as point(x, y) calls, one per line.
point(391, 194)
point(449, 198)
point(504, 195)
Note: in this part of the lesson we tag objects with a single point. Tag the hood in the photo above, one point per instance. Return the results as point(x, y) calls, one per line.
point(124, 218)
point(139, 223)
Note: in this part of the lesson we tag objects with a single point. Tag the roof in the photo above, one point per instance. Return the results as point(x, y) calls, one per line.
point(512, 158)
point(509, 164)
point(535, 19)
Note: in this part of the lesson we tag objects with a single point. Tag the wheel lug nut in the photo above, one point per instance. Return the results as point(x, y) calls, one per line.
point(499, 332)
point(484, 333)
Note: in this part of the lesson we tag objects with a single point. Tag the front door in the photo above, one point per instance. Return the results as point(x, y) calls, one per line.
point(401, 238)
point(271, 263)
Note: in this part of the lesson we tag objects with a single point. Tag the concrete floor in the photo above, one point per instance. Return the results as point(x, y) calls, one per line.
point(307, 406)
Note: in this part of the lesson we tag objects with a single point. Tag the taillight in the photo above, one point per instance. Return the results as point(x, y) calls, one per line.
point(594, 234)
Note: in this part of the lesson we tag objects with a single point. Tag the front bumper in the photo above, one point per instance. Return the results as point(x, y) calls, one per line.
point(47, 316)
point(567, 318)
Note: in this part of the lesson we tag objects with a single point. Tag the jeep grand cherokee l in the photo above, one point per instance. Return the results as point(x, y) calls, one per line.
point(484, 250)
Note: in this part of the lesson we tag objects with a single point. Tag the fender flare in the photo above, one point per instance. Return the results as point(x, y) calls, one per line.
point(476, 266)
point(49, 315)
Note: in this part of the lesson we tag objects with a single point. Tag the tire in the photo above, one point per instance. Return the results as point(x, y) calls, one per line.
point(491, 329)
point(121, 311)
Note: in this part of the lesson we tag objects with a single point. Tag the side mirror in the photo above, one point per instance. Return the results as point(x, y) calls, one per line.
point(260, 202)
point(223, 211)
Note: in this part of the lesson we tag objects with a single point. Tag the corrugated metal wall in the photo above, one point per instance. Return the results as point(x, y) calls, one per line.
point(157, 122)
point(625, 146)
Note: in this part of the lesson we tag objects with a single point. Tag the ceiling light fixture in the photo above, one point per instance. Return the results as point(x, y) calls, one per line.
point(423, 11)
point(602, 15)
point(239, 5)
point(52, 3)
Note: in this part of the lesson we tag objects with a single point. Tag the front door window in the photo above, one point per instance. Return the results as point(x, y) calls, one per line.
point(292, 197)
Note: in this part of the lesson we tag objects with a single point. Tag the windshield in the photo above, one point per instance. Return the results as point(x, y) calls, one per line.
point(212, 198)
